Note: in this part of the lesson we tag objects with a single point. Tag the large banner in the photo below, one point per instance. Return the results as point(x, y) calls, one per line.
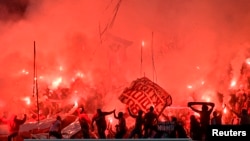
point(143, 93)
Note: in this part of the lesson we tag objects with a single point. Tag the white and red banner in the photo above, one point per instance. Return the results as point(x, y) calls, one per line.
point(143, 93)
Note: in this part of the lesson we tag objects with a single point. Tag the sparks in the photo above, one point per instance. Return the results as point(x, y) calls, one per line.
point(189, 86)
point(79, 74)
point(25, 72)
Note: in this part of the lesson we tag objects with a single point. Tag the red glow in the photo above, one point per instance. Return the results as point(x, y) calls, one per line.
point(142, 43)
point(110, 119)
point(61, 68)
point(98, 54)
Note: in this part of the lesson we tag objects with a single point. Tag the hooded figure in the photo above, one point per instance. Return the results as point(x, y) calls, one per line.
point(13, 125)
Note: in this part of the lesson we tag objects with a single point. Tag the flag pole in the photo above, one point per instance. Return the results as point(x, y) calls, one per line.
point(141, 56)
point(165, 105)
point(35, 85)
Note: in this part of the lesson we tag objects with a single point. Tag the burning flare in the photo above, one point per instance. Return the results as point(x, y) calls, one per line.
point(27, 100)
point(57, 82)
point(233, 83)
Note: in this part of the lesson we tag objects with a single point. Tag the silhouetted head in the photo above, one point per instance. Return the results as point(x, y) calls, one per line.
point(151, 109)
point(140, 112)
point(120, 114)
point(174, 119)
point(244, 111)
point(99, 111)
point(214, 113)
point(204, 107)
point(192, 117)
point(59, 118)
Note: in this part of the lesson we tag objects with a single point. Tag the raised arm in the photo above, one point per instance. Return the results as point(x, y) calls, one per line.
point(22, 121)
point(108, 113)
point(131, 114)
point(190, 104)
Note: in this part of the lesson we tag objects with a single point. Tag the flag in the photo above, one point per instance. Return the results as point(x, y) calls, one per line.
point(143, 93)
point(108, 17)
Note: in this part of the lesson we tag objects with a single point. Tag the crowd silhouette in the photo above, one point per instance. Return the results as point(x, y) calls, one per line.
point(146, 125)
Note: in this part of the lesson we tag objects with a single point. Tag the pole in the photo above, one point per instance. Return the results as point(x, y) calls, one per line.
point(152, 51)
point(35, 86)
point(165, 105)
point(153, 60)
point(141, 56)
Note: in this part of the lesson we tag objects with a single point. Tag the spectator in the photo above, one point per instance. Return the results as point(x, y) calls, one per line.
point(55, 129)
point(13, 125)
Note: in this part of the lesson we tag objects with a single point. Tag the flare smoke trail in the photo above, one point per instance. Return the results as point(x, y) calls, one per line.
point(195, 41)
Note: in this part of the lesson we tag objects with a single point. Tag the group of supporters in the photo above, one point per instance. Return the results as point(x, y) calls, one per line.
point(146, 124)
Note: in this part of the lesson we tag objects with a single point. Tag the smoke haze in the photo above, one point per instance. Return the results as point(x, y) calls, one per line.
point(186, 43)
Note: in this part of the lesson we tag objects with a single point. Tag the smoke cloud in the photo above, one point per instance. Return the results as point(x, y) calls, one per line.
point(189, 46)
